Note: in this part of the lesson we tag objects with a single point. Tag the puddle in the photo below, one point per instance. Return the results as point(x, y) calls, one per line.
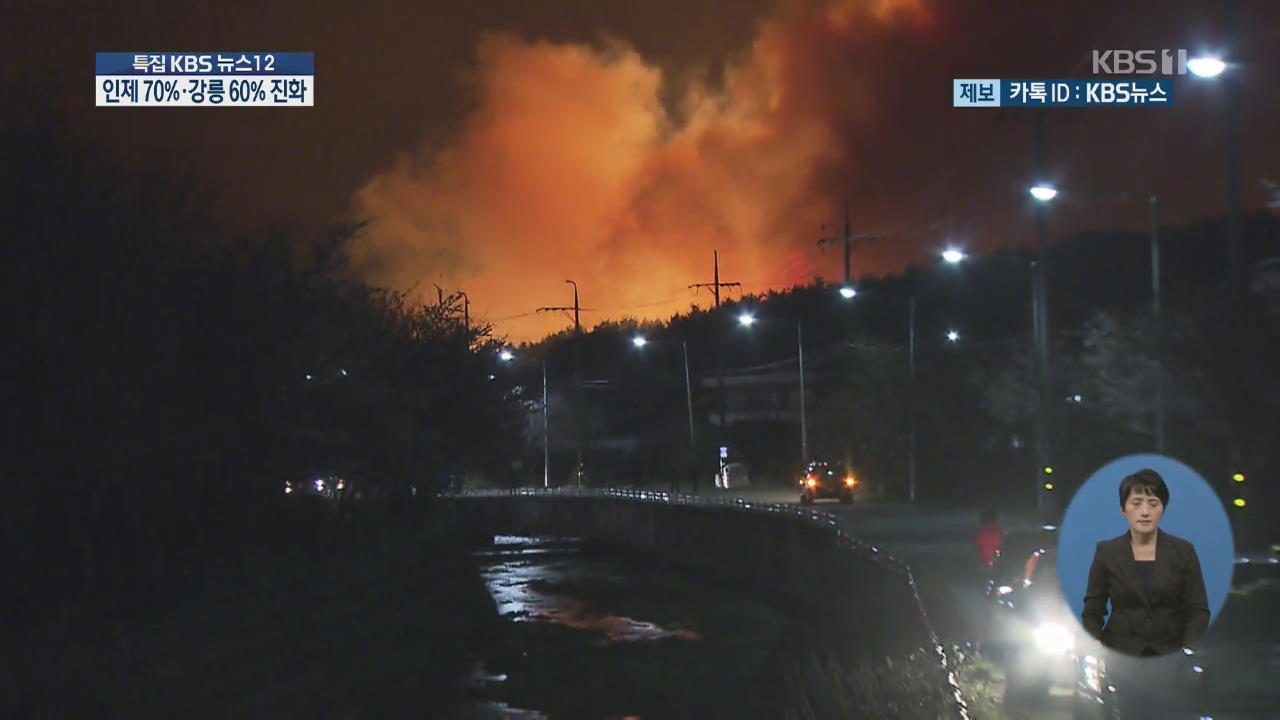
point(524, 575)
point(593, 636)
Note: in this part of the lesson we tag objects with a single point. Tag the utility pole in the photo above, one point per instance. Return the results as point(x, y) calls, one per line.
point(577, 368)
point(1157, 322)
point(848, 240)
point(715, 286)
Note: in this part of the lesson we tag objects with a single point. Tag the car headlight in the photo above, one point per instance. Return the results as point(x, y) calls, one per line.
point(1092, 676)
point(1053, 638)
point(1004, 590)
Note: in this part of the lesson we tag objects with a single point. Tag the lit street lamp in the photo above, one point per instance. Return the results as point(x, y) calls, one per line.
point(507, 356)
point(746, 319)
point(1043, 193)
point(848, 292)
point(639, 342)
point(1206, 66)
point(951, 256)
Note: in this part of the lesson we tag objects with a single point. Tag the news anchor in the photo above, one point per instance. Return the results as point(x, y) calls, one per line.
point(1151, 578)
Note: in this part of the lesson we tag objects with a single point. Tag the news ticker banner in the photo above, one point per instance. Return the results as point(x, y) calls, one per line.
point(1062, 93)
point(221, 79)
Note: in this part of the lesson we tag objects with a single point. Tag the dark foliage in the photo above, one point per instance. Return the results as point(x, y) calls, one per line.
point(164, 381)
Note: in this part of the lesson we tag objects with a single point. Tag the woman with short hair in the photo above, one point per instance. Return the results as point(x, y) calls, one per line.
point(1152, 579)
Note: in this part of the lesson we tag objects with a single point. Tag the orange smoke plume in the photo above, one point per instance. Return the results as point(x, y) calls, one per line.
point(572, 167)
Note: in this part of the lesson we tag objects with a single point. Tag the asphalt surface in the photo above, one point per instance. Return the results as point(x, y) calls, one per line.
point(937, 543)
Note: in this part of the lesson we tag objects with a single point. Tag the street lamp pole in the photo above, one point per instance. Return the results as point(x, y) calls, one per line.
point(546, 445)
point(1157, 322)
point(1231, 82)
point(688, 398)
point(1040, 302)
point(804, 420)
point(577, 379)
point(911, 397)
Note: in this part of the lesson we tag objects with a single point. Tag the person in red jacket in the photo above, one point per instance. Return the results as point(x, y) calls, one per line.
point(989, 539)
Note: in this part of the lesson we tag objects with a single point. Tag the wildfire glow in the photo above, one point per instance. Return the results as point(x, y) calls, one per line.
point(572, 166)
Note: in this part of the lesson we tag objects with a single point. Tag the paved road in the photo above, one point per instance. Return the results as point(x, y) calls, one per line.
point(938, 545)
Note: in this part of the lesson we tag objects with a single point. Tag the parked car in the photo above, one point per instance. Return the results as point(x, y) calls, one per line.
point(823, 480)
point(1233, 671)
point(1033, 630)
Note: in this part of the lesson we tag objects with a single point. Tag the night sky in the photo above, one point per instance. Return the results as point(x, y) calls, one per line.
point(502, 147)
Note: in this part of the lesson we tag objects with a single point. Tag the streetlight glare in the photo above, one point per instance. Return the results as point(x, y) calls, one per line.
point(746, 319)
point(1043, 193)
point(1206, 66)
point(639, 341)
point(506, 356)
point(847, 292)
point(953, 336)
point(953, 256)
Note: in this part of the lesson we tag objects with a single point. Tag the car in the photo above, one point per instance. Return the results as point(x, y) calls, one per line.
point(1233, 671)
point(823, 480)
point(1033, 630)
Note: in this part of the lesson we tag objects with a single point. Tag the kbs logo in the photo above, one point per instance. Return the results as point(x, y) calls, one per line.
point(1140, 62)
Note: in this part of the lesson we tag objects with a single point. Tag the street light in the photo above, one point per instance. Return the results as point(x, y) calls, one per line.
point(639, 342)
point(848, 292)
point(952, 256)
point(506, 355)
point(1206, 66)
point(1043, 193)
point(746, 319)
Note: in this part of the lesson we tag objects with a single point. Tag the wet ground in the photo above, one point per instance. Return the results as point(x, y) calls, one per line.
point(593, 638)
point(645, 620)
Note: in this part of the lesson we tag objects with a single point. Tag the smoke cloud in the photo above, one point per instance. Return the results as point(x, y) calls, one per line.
point(576, 163)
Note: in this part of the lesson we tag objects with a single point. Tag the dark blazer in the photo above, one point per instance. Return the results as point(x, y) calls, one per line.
point(1173, 616)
